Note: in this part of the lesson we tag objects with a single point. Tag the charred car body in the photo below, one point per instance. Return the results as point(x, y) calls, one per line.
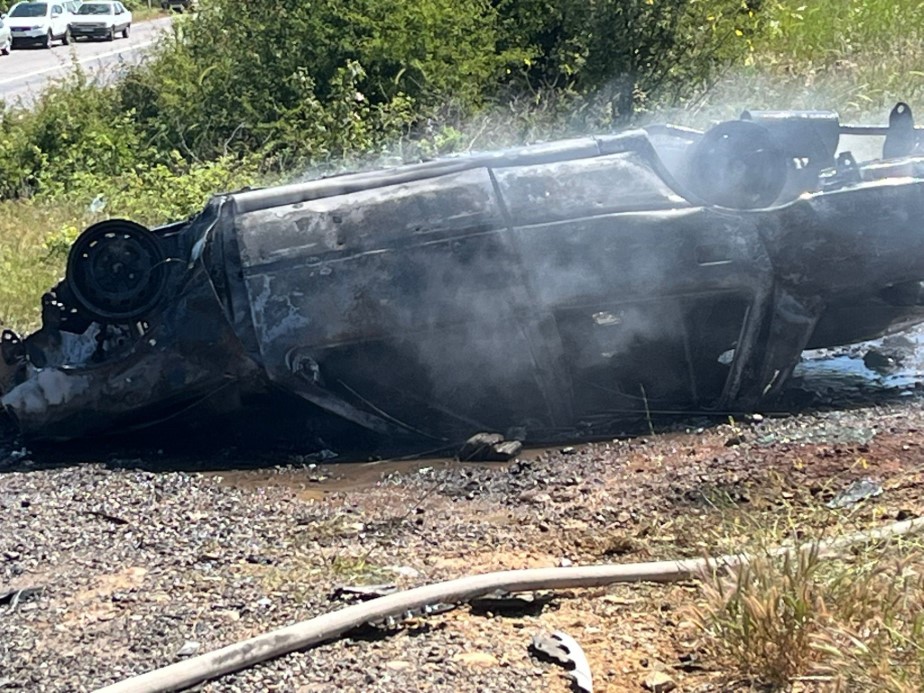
point(545, 287)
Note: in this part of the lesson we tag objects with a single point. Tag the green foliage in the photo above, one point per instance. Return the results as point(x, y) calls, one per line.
point(315, 79)
point(156, 193)
point(625, 53)
point(75, 127)
point(858, 56)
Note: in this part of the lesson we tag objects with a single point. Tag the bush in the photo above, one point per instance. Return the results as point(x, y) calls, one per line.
point(625, 54)
point(298, 77)
point(76, 127)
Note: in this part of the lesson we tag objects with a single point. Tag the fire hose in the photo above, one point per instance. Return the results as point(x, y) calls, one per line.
point(332, 625)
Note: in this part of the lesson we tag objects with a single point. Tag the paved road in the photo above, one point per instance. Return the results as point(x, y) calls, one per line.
point(27, 70)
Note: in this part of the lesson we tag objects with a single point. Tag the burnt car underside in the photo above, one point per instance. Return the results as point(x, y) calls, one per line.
point(543, 288)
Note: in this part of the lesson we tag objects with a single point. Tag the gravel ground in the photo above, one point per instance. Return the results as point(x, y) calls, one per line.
point(136, 567)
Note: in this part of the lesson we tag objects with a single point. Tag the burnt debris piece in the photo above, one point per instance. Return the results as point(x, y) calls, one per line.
point(535, 289)
point(489, 447)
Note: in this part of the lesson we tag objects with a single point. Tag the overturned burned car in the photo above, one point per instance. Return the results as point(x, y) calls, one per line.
point(542, 288)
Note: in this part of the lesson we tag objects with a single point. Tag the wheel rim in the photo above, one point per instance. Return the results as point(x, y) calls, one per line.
point(116, 271)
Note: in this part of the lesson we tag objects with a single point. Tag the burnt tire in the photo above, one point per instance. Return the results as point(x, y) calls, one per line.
point(737, 164)
point(116, 271)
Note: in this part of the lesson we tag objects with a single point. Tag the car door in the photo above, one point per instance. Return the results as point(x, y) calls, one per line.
point(121, 17)
point(59, 19)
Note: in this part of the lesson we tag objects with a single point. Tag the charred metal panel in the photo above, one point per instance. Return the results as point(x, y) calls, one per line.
point(572, 190)
point(359, 267)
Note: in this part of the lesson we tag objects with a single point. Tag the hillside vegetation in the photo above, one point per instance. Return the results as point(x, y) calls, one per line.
point(297, 87)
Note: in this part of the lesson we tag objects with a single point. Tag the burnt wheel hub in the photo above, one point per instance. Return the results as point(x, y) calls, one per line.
point(116, 271)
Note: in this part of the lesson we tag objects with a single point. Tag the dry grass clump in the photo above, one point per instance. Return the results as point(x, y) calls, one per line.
point(851, 623)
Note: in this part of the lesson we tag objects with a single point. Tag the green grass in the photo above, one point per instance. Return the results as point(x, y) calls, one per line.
point(30, 259)
point(854, 56)
point(143, 13)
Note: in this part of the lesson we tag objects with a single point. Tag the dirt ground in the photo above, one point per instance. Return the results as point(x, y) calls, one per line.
point(137, 566)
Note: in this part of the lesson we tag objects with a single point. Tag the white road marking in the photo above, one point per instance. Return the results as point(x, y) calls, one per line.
point(91, 58)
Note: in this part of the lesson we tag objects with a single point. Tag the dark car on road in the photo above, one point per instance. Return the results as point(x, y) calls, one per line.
point(179, 5)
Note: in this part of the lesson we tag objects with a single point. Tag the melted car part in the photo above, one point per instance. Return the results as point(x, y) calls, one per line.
point(738, 164)
point(565, 650)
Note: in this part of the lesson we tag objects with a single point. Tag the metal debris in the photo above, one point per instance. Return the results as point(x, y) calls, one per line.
point(509, 604)
point(489, 447)
point(363, 591)
point(13, 598)
point(856, 492)
point(563, 649)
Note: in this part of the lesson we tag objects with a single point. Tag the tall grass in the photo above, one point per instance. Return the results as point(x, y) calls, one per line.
point(855, 56)
point(29, 265)
point(855, 623)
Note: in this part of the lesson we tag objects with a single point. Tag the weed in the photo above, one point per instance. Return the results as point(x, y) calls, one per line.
point(855, 622)
point(762, 618)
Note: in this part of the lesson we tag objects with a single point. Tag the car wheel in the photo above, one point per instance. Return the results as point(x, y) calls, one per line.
point(111, 36)
point(126, 31)
point(49, 39)
point(67, 38)
point(8, 48)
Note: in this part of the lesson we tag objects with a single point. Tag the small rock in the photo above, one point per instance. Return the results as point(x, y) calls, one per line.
point(404, 571)
point(535, 496)
point(190, 647)
point(565, 563)
point(877, 361)
point(658, 682)
point(568, 451)
point(507, 450)
point(476, 659)
point(398, 665)
point(858, 491)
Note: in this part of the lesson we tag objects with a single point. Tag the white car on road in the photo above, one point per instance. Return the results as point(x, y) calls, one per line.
point(6, 36)
point(101, 20)
point(39, 22)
